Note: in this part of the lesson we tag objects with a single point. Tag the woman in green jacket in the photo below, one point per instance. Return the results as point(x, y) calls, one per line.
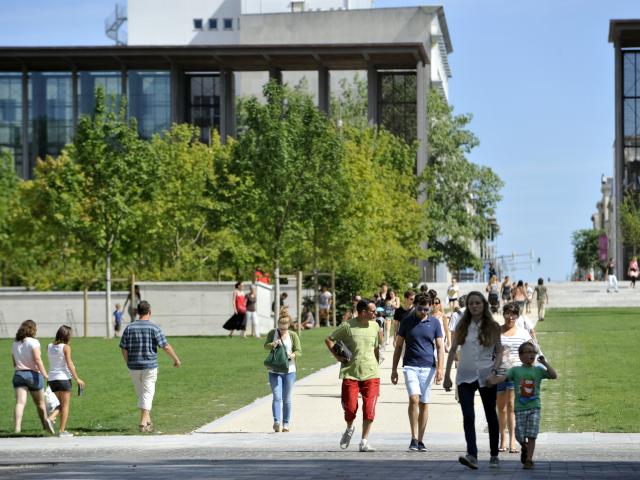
point(282, 383)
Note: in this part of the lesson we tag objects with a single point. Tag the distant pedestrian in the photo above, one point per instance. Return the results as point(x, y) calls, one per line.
point(519, 295)
point(237, 321)
point(403, 310)
point(478, 336)
point(360, 375)
point(61, 371)
point(325, 299)
point(391, 303)
point(421, 336)
point(542, 298)
point(139, 345)
point(29, 374)
point(529, 291)
point(453, 292)
point(251, 315)
point(505, 289)
point(633, 271)
point(282, 383)
point(133, 304)
point(437, 310)
point(117, 319)
point(493, 293)
point(527, 379)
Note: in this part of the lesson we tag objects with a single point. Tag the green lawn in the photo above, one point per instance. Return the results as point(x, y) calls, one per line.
point(218, 375)
point(596, 354)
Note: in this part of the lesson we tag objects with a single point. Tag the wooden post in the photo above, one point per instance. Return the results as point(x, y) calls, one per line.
point(333, 292)
point(299, 300)
point(85, 311)
point(132, 293)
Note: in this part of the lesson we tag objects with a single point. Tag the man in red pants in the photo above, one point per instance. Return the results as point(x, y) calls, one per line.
point(360, 375)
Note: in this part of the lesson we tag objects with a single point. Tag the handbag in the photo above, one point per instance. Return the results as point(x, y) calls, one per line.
point(277, 360)
point(342, 351)
point(50, 400)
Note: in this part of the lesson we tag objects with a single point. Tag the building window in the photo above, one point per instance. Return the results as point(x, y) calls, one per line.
point(213, 24)
point(228, 23)
point(397, 103)
point(11, 117)
point(203, 103)
point(197, 24)
point(149, 100)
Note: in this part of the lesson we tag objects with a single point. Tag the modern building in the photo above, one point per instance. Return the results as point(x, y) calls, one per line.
point(185, 62)
point(625, 37)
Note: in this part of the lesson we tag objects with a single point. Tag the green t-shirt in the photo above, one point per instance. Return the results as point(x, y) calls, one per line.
point(527, 382)
point(362, 341)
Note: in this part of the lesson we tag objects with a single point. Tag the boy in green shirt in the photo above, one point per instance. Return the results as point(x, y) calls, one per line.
point(527, 379)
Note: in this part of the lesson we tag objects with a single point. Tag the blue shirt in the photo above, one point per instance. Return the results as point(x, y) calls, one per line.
point(420, 339)
point(141, 340)
point(117, 314)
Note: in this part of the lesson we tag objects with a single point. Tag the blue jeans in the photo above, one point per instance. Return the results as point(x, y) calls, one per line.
point(466, 392)
point(281, 387)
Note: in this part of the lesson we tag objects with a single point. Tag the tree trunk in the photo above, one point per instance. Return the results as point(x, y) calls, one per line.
point(108, 299)
point(276, 301)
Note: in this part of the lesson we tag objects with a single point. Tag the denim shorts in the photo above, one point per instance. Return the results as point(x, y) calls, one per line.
point(28, 379)
point(504, 386)
point(60, 385)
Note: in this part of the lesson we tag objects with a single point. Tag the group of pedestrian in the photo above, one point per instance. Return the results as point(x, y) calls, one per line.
point(244, 312)
point(494, 360)
point(519, 292)
point(139, 343)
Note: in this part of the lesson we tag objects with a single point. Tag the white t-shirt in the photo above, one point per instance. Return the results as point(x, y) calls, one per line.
point(452, 291)
point(455, 318)
point(58, 368)
point(476, 361)
point(324, 300)
point(23, 354)
point(523, 322)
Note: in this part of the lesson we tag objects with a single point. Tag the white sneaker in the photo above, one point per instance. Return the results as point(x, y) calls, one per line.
point(346, 437)
point(366, 447)
point(65, 434)
point(48, 426)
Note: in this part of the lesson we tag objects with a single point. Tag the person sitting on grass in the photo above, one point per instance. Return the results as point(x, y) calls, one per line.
point(527, 379)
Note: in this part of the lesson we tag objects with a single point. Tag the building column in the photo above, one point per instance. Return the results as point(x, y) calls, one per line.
point(275, 74)
point(123, 81)
point(324, 93)
point(618, 171)
point(227, 105)
point(175, 96)
point(74, 97)
point(372, 95)
point(25, 123)
point(423, 72)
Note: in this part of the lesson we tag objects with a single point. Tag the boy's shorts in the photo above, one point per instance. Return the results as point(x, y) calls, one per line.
point(418, 381)
point(527, 424)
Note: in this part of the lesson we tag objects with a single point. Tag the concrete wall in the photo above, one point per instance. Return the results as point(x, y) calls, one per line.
point(180, 308)
point(51, 309)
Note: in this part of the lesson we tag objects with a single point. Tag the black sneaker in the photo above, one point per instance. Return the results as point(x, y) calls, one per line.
point(413, 446)
point(469, 461)
point(422, 447)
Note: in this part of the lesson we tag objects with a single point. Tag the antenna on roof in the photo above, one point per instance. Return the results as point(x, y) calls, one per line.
point(114, 23)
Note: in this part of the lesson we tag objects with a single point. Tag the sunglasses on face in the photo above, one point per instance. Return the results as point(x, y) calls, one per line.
point(422, 309)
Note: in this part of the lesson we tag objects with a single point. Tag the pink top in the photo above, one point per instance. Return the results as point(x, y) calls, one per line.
point(23, 354)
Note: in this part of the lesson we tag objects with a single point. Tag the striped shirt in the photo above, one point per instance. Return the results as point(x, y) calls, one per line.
point(510, 345)
point(141, 340)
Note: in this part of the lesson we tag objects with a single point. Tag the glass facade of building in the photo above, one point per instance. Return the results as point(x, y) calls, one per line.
point(111, 83)
point(397, 103)
point(631, 120)
point(11, 116)
point(149, 96)
point(50, 113)
point(203, 103)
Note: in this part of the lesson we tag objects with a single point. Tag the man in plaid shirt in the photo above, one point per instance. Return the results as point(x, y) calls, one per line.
point(139, 345)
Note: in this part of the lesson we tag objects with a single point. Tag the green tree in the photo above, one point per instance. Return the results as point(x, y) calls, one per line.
point(630, 222)
point(8, 194)
point(586, 247)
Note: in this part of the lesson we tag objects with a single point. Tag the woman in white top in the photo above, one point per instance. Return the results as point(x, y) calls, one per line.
point(29, 374)
point(61, 370)
point(511, 337)
point(282, 383)
point(478, 336)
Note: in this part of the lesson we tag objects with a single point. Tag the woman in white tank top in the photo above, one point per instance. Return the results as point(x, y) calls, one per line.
point(61, 371)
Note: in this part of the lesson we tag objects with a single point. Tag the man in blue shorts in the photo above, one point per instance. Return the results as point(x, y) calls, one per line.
point(421, 333)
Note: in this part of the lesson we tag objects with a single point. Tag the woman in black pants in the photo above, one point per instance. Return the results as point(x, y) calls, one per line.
point(478, 336)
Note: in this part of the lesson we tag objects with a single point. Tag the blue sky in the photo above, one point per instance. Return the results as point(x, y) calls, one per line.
point(537, 76)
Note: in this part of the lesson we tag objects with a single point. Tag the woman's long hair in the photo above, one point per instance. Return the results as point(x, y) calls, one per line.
point(27, 328)
point(489, 333)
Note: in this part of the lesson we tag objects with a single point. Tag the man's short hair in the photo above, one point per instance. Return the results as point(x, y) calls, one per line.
point(409, 293)
point(511, 307)
point(363, 305)
point(422, 299)
point(144, 308)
